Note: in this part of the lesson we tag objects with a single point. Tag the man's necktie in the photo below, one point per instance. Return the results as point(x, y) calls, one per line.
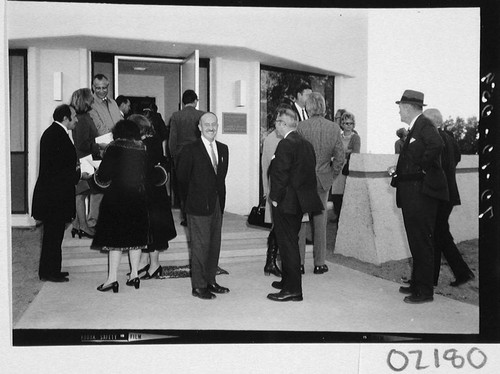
point(214, 158)
point(303, 114)
point(105, 101)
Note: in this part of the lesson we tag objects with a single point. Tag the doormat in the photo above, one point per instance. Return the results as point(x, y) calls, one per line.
point(183, 271)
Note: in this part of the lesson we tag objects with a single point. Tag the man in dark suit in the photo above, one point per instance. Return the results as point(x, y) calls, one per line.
point(420, 185)
point(450, 157)
point(183, 130)
point(54, 194)
point(300, 95)
point(202, 169)
point(292, 193)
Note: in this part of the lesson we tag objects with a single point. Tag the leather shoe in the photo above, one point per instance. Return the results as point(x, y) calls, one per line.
point(285, 296)
point(63, 274)
point(320, 269)
point(184, 223)
point(203, 293)
point(418, 299)
point(462, 279)
point(302, 270)
point(277, 284)
point(405, 290)
point(215, 288)
point(56, 279)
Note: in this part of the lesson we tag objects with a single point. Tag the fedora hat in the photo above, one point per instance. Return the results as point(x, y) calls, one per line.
point(412, 97)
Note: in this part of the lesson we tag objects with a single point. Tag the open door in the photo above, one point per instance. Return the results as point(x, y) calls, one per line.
point(190, 73)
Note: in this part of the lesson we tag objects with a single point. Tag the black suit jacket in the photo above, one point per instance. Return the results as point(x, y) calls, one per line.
point(293, 176)
point(199, 184)
point(54, 194)
point(420, 160)
point(450, 157)
point(183, 129)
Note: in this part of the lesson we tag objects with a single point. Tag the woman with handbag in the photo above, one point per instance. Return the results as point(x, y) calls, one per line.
point(352, 144)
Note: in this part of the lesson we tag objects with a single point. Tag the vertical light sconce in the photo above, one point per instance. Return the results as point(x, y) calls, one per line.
point(241, 89)
point(58, 86)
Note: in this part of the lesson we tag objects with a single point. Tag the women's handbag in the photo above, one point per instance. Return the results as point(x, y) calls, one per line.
point(256, 216)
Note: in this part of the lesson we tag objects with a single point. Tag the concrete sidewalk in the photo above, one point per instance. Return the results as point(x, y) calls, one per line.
point(341, 300)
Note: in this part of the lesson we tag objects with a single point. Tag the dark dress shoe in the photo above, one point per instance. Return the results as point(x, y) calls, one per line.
point(463, 279)
point(405, 290)
point(309, 241)
point(184, 223)
point(285, 296)
point(203, 293)
point(144, 269)
point(418, 299)
point(277, 284)
point(320, 269)
point(156, 274)
point(302, 270)
point(52, 278)
point(215, 288)
point(63, 274)
point(112, 286)
point(136, 282)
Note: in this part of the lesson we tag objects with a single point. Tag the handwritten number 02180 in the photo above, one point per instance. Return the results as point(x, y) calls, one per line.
point(399, 361)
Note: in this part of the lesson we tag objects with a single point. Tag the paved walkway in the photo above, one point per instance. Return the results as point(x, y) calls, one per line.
point(342, 300)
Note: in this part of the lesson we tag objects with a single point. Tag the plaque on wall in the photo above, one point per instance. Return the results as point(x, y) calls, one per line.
point(234, 123)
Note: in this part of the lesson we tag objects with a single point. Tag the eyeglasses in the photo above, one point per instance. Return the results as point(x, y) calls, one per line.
point(348, 123)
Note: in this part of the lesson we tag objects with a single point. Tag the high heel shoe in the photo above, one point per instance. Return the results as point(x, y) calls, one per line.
point(112, 286)
point(85, 234)
point(157, 273)
point(136, 282)
point(76, 232)
point(144, 269)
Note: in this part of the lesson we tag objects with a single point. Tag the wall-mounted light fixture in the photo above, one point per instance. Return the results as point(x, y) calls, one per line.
point(58, 86)
point(241, 93)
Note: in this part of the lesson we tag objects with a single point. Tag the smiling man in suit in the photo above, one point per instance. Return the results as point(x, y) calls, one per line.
point(54, 194)
point(420, 184)
point(201, 172)
point(292, 193)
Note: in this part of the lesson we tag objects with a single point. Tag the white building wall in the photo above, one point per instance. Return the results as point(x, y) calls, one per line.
point(242, 181)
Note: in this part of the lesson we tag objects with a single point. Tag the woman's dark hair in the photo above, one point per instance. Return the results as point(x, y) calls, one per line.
point(125, 129)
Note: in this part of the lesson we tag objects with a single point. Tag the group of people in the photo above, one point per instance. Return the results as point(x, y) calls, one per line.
point(302, 163)
point(129, 208)
point(303, 158)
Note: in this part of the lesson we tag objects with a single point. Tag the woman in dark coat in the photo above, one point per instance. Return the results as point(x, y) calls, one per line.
point(123, 217)
point(161, 221)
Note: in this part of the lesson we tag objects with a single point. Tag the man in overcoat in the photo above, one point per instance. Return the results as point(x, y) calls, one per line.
point(420, 184)
point(293, 192)
point(54, 194)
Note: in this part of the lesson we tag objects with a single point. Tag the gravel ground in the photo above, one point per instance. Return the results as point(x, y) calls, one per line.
point(26, 244)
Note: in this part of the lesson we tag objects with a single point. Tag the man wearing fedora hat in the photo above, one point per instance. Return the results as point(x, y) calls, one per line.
point(420, 183)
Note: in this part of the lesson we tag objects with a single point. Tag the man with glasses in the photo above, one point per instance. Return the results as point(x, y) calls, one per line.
point(292, 193)
point(105, 112)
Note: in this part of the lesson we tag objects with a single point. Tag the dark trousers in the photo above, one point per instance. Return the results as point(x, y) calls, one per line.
point(287, 227)
point(205, 232)
point(444, 244)
point(419, 216)
point(51, 255)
